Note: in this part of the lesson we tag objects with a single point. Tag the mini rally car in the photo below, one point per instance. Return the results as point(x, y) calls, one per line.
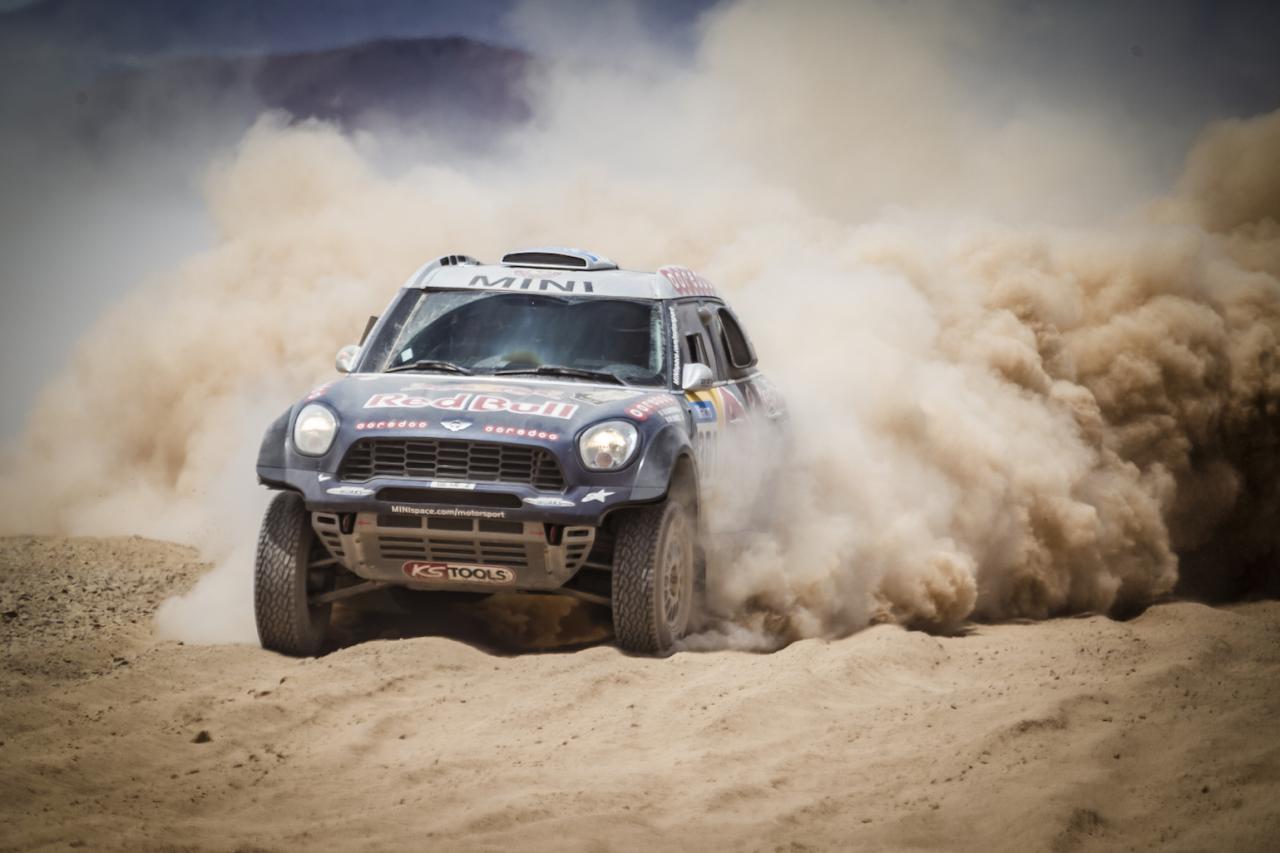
point(541, 425)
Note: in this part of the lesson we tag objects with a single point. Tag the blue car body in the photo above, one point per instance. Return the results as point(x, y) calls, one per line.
point(437, 481)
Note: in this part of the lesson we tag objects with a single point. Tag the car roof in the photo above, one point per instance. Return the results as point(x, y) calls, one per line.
point(560, 271)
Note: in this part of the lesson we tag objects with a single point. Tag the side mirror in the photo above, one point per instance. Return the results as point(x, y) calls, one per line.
point(695, 377)
point(346, 360)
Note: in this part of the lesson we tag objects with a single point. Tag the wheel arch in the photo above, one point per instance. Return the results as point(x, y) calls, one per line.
point(668, 459)
point(272, 460)
point(683, 482)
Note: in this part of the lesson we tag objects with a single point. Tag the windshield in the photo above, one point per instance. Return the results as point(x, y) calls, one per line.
point(501, 332)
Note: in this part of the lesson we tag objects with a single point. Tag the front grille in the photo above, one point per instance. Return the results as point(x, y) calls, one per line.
point(446, 459)
point(488, 552)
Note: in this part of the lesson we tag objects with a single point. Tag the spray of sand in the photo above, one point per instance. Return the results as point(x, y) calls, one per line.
point(990, 420)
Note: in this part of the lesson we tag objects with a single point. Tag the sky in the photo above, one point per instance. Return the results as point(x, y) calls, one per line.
point(141, 28)
point(1162, 68)
point(1152, 57)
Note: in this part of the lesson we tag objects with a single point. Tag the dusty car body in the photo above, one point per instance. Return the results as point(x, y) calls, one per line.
point(544, 424)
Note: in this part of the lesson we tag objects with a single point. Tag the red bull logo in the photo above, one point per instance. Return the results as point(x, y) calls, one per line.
point(483, 403)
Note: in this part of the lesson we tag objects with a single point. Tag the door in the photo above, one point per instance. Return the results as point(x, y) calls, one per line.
point(719, 409)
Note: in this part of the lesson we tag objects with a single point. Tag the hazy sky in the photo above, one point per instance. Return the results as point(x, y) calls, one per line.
point(74, 232)
point(145, 27)
point(1160, 59)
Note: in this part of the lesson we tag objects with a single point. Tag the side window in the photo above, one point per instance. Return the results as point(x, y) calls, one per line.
point(695, 348)
point(711, 325)
point(732, 351)
point(736, 345)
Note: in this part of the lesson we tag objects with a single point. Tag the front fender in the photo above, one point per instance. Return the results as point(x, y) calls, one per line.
point(661, 453)
point(272, 460)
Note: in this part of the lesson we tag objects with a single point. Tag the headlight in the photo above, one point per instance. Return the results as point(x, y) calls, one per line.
point(314, 430)
point(608, 446)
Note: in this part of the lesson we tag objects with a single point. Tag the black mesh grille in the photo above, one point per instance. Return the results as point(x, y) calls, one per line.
point(445, 459)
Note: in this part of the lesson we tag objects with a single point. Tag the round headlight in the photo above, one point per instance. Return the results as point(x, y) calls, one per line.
point(314, 430)
point(608, 446)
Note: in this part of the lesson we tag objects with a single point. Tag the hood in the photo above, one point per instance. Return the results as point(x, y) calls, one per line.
point(473, 406)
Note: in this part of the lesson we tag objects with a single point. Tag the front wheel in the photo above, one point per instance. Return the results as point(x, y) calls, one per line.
point(286, 576)
point(653, 577)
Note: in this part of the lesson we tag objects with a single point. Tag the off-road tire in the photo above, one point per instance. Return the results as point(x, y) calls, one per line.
point(641, 579)
point(287, 623)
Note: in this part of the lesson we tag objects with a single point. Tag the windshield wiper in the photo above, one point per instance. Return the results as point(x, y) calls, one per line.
point(430, 364)
point(561, 370)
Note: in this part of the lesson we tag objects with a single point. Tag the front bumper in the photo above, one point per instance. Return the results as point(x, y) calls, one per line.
point(433, 535)
point(532, 534)
point(439, 552)
point(584, 504)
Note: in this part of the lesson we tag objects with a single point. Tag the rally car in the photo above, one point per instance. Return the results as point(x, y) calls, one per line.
point(543, 425)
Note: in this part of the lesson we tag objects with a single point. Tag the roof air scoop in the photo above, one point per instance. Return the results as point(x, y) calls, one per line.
point(556, 258)
point(443, 261)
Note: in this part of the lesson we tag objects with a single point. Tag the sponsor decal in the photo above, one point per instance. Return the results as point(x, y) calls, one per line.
point(367, 425)
point(400, 400)
point(452, 484)
point(320, 478)
point(447, 511)
point(549, 501)
point(730, 405)
point(423, 571)
point(720, 406)
point(687, 282)
point(316, 393)
point(522, 431)
point(597, 496)
point(675, 348)
point(349, 491)
point(484, 403)
point(455, 426)
point(532, 283)
point(655, 404)
point(551, 409)
point(704, 411)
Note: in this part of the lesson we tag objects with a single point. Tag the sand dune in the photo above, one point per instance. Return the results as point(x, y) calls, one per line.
point(1086, 733)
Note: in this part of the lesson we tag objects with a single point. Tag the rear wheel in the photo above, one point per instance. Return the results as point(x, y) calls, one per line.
point(653, 577)
point(286, 575)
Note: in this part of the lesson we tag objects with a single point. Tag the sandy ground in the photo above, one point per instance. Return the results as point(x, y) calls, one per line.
point(1162, 732)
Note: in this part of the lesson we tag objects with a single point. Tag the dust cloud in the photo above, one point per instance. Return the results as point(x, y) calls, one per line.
point(1023, 378)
